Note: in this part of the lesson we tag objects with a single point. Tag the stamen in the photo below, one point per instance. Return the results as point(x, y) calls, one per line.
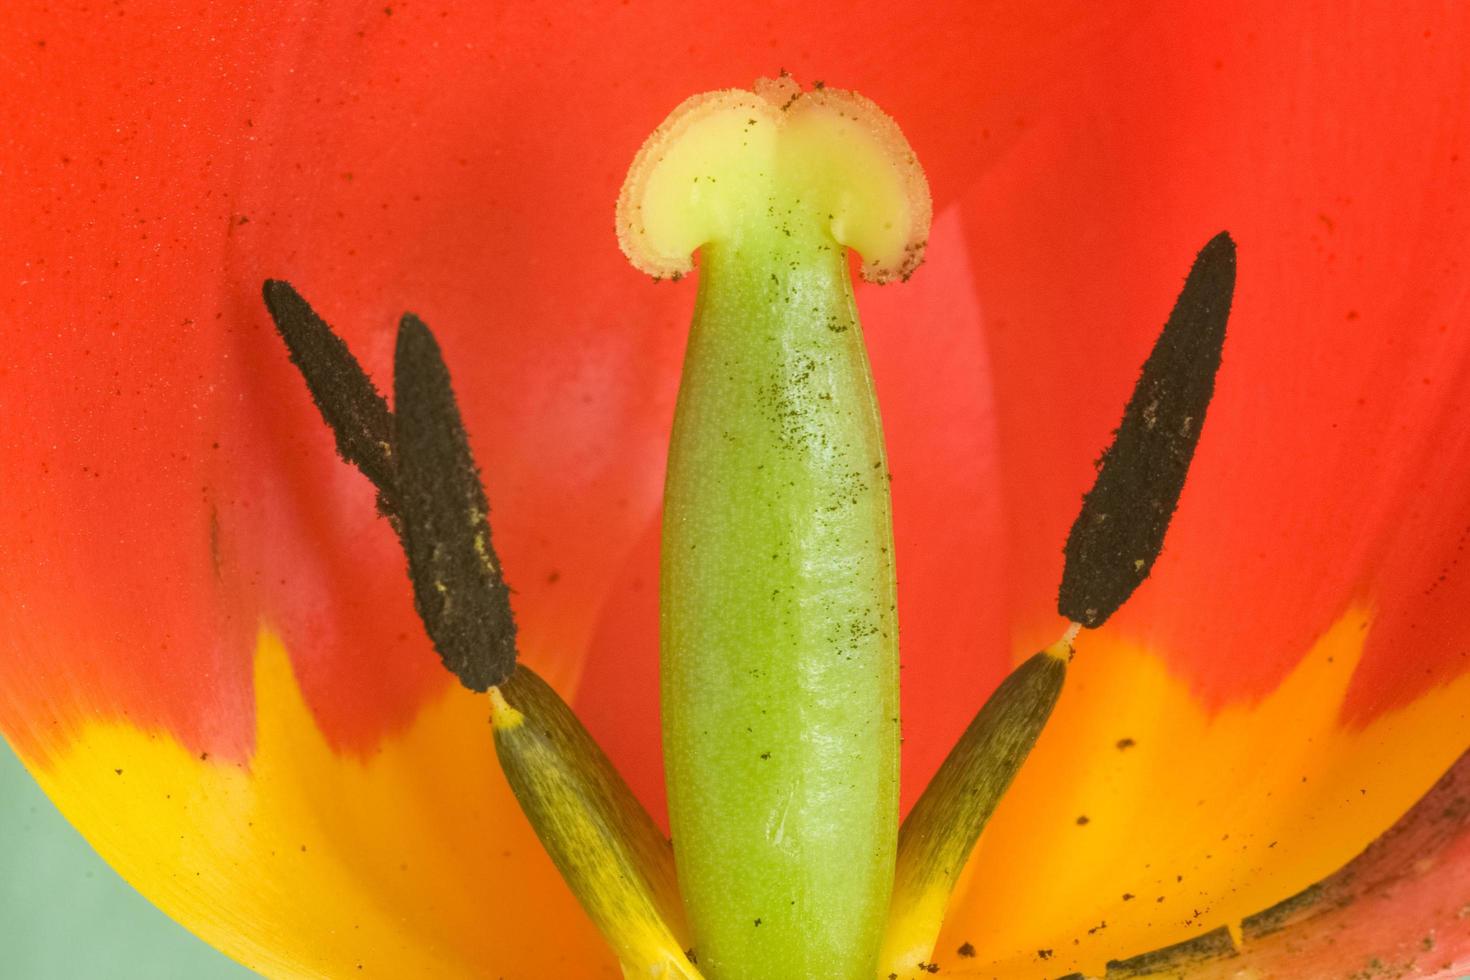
point(1112, 546)
point(607, 848)
point(1120, 530)
point(612, 855)
point(940, 831)
point(428, 486)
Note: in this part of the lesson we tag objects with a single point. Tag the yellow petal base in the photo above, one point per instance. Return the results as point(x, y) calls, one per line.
point(414, 862)
point(1142, 819)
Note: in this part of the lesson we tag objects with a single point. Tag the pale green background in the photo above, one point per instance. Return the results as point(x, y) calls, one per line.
point(66, 915)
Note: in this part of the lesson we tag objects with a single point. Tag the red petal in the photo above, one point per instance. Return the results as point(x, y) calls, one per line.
point(165, 460)
point(170, 488)
point(1332, 460)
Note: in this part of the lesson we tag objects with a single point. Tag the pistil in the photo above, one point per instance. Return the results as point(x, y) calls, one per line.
point(779, 631)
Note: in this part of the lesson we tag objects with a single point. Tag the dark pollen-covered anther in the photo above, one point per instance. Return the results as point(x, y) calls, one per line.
point(1120, 530)
point(350, 404)
point(418, 457)
point(458, 588)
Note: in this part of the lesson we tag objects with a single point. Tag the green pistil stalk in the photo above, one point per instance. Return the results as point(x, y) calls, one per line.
point(779, 631)
point(780, 652)
point(1113, 543)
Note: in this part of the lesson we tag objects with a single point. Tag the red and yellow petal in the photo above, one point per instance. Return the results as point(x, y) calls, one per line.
point(1400, 909)
point(1295, 661)
point(1146, 817)
point(170, 496)
point(162, 458)
point(410, 861)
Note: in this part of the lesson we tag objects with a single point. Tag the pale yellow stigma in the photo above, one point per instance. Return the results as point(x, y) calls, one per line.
point(725, 161)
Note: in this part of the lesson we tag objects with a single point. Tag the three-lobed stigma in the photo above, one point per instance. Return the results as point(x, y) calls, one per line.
point(726, 163)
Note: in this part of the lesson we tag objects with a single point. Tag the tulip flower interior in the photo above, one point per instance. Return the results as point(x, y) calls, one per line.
point(211, 658)
point(779, 639)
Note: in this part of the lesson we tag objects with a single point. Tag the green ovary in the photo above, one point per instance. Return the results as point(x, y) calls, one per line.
point(780, 680)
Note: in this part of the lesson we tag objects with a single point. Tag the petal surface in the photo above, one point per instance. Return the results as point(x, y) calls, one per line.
point(411, 862)
point(1397, 910)
point(170, 493)
point(164, 448)
point(171, 496)
point(1294, 662)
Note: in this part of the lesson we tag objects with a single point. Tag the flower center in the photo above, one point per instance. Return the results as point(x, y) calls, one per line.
point(779, 634)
